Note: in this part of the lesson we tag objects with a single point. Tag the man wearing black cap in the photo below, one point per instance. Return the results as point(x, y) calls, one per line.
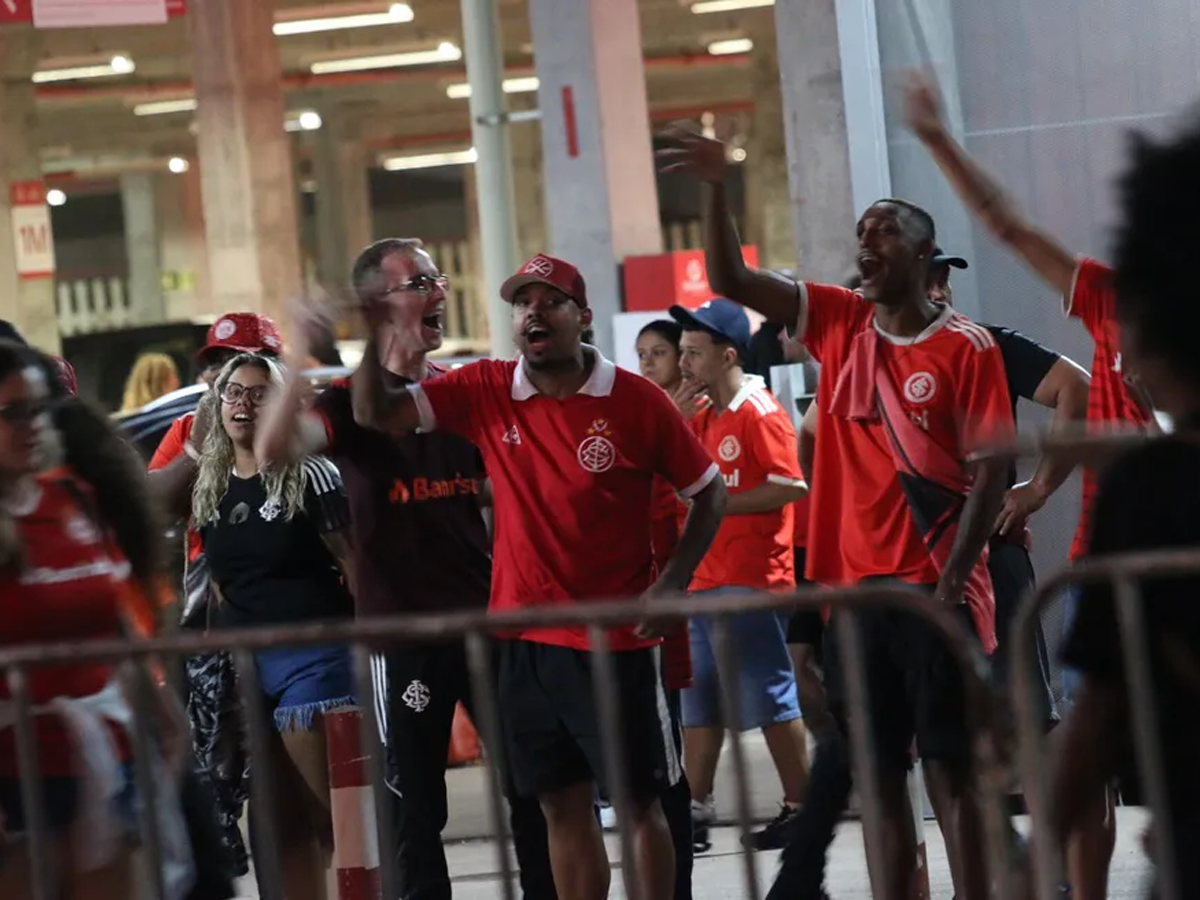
point(747, 432)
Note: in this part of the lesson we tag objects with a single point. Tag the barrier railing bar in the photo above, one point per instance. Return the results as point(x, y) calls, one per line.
point(487, 724)
point(612, 742)
point(1147, 739)
point(139, 686)
point(370, 739)
point(264, 842)
point(33, 800)
point(866, 766)
point(731, 706)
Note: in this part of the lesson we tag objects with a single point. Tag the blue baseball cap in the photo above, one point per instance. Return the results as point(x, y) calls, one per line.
point(942, 258)
point(719, 317)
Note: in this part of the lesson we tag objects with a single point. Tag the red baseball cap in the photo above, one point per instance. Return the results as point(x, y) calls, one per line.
point(543, 269)
point(243, 333)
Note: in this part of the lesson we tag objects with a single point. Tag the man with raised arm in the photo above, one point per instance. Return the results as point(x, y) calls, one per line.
point(909, 390)
point(1086, 288)
point(572, 445)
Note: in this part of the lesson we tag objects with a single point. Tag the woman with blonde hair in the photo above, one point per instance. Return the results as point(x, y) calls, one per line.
point(152, 376)
point(271, 538)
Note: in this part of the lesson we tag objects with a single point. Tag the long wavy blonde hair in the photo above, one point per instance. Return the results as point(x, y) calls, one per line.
point(283, 483)
point(153, 375)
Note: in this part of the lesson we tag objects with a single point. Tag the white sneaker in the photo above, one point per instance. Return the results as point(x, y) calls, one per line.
point(608, 817)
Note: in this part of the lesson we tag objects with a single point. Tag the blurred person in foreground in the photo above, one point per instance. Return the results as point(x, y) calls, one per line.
point(1147, 500)
point(152, 376)
point(79, 557)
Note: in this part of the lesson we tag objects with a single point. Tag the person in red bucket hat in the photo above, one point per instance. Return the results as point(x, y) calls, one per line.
point(234, 333)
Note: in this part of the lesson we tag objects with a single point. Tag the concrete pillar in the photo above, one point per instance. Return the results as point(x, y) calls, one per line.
point(768, 198)
point(245, 158)
point(343, 197)
point(183, 246)
point(139, 204)
point(814, 118)
point(526, 139)
point(601, 191)
point(29, 303)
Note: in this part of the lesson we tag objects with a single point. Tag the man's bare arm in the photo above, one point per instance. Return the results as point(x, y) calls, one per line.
point(171, 486)
point(808, 440)
point(766, 497)
point(982, 194)
point(286, 430)
point(976, 527)
point(376, 405)
point(699, 529)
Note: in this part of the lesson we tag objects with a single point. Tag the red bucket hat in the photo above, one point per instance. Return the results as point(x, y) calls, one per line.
point(243, 333)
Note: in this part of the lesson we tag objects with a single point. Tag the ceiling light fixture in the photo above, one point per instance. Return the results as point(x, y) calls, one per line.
point(524, 85)
point(118, 65)
point(731, 46)
point(55, 197)
point(431, 160)
point(178, 165)
point(309, 120)
point(163, 107)
point(445, 52)
point(396, 14)
point(719, 6)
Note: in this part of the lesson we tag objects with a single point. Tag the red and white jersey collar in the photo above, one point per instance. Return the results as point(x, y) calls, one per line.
point(599, 383)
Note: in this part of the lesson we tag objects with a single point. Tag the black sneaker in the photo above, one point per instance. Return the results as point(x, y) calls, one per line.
point(703, 815)
point(774, 834)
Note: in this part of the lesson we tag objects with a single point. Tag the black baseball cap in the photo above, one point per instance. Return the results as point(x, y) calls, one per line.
point(940, 258)
point(8, 332)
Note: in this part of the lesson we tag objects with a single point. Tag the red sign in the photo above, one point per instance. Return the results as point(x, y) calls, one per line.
point(14, 12)
point(658, 281)
point(33, 239)
point(27, 193)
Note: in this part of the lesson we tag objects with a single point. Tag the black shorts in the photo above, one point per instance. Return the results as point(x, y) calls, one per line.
point(805, 626)
point(1012, 579)
point(551, 725)
point(914, 686)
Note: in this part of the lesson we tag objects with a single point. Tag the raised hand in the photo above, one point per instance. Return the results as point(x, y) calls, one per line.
point(311, 316)
point(690, 397)
point(689, 151)
point(923, 105)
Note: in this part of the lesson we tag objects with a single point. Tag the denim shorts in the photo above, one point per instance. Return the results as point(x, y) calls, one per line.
point(765, 682)
point(302, 682)
point(61, 800)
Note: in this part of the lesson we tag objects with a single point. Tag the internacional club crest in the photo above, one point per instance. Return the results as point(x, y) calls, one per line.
point(539, 266)
point(225, 329)
point(596, 452)
point(416, 696)
point(920, 387)
point(729, 449)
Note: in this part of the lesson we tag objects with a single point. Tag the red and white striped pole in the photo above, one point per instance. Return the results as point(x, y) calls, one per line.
point(355, 839)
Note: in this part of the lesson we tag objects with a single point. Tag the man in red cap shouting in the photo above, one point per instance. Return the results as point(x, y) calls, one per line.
point(572, 445)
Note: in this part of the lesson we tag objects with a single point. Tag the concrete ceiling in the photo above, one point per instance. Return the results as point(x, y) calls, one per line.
point(93, 118)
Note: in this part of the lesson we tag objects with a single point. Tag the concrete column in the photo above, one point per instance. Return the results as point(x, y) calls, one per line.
point(768, 198)
point(814, 118)
point(245, 158)
point(183, 246)
point(526, 139)
point(139, 204)
point(343, 197)
point(601, 191)
point(29, 303)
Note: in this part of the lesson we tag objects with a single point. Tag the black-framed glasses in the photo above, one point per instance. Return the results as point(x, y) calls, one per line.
point(255, 396)
point(421, 284)
point(22, 412)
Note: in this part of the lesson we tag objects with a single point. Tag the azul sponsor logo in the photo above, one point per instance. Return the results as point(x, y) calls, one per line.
point(420, 490)
point(732, 479)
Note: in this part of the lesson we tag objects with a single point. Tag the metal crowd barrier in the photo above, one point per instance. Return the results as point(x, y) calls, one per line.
point(1124, 572)
point(363, 635)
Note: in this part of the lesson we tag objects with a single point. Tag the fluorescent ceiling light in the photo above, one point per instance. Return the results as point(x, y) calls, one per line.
point(719, 6)
point(55, 197)
point(162, 107)
point(396, 14)
point(118, 65)
point(445, 52)
point(431, 160)
point(511, 86)
point(733, 45)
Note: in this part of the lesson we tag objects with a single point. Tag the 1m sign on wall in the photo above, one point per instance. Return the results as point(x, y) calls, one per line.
point(33, 239)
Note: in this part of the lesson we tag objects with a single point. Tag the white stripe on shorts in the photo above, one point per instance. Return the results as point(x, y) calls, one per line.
point(674, 764)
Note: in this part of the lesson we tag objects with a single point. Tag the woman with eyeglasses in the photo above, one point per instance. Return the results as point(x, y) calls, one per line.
point(79, 554)
point(271, 536)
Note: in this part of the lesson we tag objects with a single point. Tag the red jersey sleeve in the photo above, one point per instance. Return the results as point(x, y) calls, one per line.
point(773, 447)
point(1092, 299)
point(172, 443)
point(681, 458)
point(455, 401)
point(830, 318)
point(986, 414)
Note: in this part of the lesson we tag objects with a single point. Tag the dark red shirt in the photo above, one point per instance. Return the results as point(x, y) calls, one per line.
point(420, 543)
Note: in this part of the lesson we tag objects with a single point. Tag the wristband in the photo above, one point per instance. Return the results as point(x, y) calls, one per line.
point(190, 449)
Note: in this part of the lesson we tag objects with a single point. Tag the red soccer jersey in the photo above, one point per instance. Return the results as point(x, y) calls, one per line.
point(1092, 300)
point(953, 386)
point(802, 509)
point(70, 586)
point(167, 452)
point(754, 443)
point(573, 482)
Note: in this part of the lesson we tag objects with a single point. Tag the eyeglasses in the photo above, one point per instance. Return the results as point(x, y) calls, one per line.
point(421, 284)
point(22, 412)
point(255, 396)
